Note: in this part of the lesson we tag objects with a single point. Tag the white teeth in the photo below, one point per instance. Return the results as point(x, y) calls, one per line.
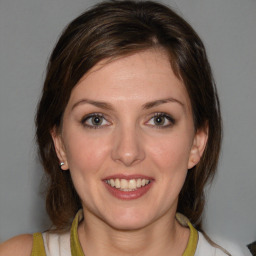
point(132, 184)
point(124, 184)
point(138, 183)
point(112, 183)
point(117, 183)
point(127, 185)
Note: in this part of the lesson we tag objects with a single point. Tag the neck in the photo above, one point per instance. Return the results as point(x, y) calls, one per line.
point(162, 237)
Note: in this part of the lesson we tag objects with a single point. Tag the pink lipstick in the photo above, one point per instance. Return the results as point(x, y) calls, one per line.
point(128, 187)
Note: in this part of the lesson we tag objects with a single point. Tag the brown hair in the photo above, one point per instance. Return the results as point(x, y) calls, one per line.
point(110, 30)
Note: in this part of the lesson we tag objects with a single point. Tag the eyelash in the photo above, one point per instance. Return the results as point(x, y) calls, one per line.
point(170, 120)
point(94, 115)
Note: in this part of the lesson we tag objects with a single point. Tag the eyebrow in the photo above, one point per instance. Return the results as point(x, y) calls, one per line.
point(98, 104)
point(107, 106)
point(155, 103)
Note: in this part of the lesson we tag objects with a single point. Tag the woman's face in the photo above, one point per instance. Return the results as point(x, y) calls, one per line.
point(128, 139)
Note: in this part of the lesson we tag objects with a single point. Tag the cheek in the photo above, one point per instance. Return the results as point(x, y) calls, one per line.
point(86, 153)
point(171, 153)
point(86, 156)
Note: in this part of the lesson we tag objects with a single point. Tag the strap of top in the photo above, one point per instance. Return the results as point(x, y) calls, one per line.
point(193, 238)
point(38, 245)
point(76, 248)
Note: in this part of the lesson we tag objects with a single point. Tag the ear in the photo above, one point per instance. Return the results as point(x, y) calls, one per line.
point(199, 144)
point(59, 148)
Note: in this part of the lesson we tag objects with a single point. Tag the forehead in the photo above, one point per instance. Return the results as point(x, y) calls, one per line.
point(143, 76)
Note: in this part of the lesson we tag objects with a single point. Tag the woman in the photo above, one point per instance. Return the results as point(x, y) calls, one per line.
point(129, 132)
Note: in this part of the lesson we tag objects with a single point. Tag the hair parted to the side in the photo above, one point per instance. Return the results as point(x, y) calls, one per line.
point(111, 30)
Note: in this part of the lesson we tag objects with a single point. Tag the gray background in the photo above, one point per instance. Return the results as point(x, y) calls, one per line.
point(28, 32)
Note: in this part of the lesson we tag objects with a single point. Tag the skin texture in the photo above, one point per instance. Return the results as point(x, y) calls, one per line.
point(20, 245)
point(126, 94)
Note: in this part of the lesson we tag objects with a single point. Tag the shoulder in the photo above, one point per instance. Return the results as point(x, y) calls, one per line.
point(19, 245)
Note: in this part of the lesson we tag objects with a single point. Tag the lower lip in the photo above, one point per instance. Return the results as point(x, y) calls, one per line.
point(128, 195)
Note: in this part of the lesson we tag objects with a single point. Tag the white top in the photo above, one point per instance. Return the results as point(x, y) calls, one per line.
point(205, 249)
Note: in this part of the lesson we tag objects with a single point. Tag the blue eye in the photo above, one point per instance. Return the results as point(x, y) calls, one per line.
point(95, 121)
point(161, 120)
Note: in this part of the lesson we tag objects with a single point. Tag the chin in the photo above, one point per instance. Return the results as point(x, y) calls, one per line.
point(129, 220)
point(128, 225)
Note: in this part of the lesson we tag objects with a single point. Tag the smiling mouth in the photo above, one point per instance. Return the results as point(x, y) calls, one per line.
point(127, 185)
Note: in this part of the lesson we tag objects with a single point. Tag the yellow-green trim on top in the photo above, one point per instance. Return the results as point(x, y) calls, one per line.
point(38, 245)
point(76, 248)
point(193, 237)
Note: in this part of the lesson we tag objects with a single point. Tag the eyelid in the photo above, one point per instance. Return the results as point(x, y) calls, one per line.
point(171, 121)
point(165, 115)
point(91, 115)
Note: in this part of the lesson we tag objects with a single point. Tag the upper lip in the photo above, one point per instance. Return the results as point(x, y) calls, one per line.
point(128, 177)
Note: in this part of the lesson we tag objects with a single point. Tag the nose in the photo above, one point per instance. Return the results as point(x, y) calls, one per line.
point(128, 147)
